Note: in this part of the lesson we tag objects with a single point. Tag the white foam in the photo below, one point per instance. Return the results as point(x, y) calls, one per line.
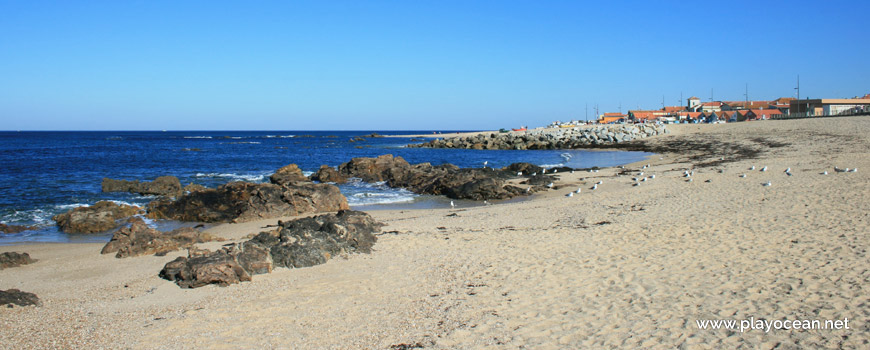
point(279, 136)
point(71, 206)
point(363, 193)
point(197, 137)
point(236, 177)
point(552, 165)
point(241, 142)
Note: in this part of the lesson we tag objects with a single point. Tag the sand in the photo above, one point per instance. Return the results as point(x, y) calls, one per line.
point(619, 267)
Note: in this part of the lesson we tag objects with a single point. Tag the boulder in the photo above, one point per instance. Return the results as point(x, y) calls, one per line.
point(201, 268)
point(161, 186)
point(328, 174)
point(99, 217)
point(4, 228)
point(374, 169)
point(244, 201)
point(288, 175)
point(17, 297)
point(525, 168)
point(139, 239)
point(298, 243)
point(14, 259)
point(192, 187)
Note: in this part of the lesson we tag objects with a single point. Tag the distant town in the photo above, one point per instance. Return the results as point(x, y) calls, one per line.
point(696, 111)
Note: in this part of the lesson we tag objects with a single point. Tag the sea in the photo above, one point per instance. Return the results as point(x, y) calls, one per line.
point(46, 173)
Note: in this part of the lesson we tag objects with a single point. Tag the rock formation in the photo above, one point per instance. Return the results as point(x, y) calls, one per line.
point(139, 239)
point(568, 138)
point(14, 259)
point(4, 228)
point(299, 243)
point(328, 174)
point(162, 186)
point(17, 297)
point(99, 217)
point(244, 201)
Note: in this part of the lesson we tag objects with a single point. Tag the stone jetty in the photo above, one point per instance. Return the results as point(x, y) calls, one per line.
point(563, 138)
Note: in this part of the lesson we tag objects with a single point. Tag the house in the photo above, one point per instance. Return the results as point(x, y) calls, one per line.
point(693, 103)
point(608, 118)
point(715, 106)
point(729, 116)
point(762, 114)
point(711, 117)
point(689, 116)
point(830, 106)
point(738, 105)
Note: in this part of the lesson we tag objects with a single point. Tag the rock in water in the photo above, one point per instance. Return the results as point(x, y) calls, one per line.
point(139, 239)
point(288, 175)
point(4, 228)
point(298, 243)
point(161, 186)
point(328, 174)
point(100, 217)
point(14, 259)
point(243, 201)
point(17, 297)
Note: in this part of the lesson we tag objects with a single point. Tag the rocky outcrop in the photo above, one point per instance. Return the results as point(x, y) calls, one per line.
point(567, 138)
point(14, 259)
point(16, 297)
point(139, 239)
point(328, 174)
point(4, 228)
point(162, 186)
point(192, 187)
point(244, 201)
point(298, 243)
point(99, 217)
point(288, 175)
point(447, 179)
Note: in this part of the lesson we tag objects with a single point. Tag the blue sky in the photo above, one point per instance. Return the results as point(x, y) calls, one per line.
point(326, 65)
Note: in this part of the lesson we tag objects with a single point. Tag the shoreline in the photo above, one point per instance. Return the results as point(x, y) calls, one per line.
point(620, 266)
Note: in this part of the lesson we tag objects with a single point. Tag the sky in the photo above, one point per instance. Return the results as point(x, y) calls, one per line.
point(409, 65)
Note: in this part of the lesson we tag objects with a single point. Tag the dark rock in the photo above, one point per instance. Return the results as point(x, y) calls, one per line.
point(4, 228)
point(314, 240)
point(100, 217)
point(373, 135)
point(139, 239)
point(17, 297)
point(202, 268)
point(192, 187)
point(424, 178)
point(244, 201)
point(328, 174)
point(287, 175)
point(14, 259)
point(161, 186)
point(298, 243)
point(525, 168)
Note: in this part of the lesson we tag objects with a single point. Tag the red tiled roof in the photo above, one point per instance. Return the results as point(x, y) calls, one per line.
point(614, 114)
point(717, 103)
point(694, 98)
point(671, 109)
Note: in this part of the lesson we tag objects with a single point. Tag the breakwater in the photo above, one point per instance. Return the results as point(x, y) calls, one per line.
point(563, 138)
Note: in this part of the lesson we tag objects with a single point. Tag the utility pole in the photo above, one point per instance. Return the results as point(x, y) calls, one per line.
point(711, 94)
point(663, 102)
point(587, 112)
point(746, 95)
point(620, 107)
point(798, 88)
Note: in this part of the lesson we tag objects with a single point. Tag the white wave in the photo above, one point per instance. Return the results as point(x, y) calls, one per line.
point(359, 192)
point(241, 142)
point(71, 206)
point(123, 203)
point(35, 216)
point(236, 177)
point(197, 137)
point(307, 173)
point(279, 136)
point(551, 165)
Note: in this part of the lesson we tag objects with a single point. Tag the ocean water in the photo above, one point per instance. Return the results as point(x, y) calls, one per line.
point(46, 173)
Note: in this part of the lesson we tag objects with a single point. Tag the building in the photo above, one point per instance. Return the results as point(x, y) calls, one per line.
point(761, 114)
point(693, 103)
point(830, 106)
point(641, 116)
point(608, 118)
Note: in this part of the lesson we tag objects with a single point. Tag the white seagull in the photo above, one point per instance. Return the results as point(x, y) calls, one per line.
point(752, 167)
point(766, 184)
point(550, 185)
point(578, 190)
point(825, 173)
point(599, 182)
point(452, 205)
point(543, 171)
point(594, 187)
point(519, 173)
point(570, 194)
point(787, 170)
point(742, 175)
point(555, 171)
point(485, 163)
point(529, 189)
point(653, 176)
point(854, 170)
point(764, 169)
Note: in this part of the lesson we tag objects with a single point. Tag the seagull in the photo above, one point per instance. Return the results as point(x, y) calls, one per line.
point(742, 175)
point(543, 171)
point(634, 179)
point(708, 181)
point(590, 170)
point(535, 173)
point(692, 173)
point(766, 184)
point(787, 170)
point(653, 176)
point(555, 171)
point(550, 185)
point(596, 170)
point(570, 194)
point(722, 158)
point(838, 169)
point(854, 170)
point(789, 174)
point(578, 190)
point(485, 163)
point(640, 173)
point(572, 171)
point(452, 205)
point(643, 180)
point(594, 187)
point(764, 169)
point(529, 189)
point(519, 173)
point(825, 173)
point(752, 167)
point(485, 202)
point(689, 180)
point(636, 184)
point(599, 182)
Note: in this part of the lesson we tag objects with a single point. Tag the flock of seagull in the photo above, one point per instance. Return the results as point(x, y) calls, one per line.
point(640, 177)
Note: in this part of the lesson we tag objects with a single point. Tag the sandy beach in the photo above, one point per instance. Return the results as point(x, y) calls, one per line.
point(621, 266)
